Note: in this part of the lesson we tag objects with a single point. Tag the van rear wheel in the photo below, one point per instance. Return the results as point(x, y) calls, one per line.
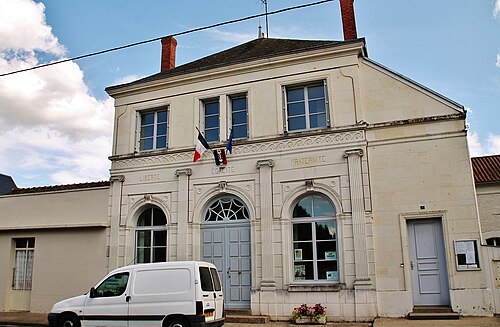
point(177, 322)
point(68, 320)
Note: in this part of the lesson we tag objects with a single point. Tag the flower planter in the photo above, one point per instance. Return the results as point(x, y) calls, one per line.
point(319, 320)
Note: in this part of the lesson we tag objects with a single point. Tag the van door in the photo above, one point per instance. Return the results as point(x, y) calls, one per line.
point(208, 294)
point(219, 297)
point(107, 305)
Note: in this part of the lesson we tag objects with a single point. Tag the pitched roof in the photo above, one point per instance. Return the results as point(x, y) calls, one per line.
point(6, 184)
point(54, 188)
point(486, 169)
point(256, 49)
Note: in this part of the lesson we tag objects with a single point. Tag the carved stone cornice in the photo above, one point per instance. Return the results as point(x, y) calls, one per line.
point(186, 171)
point(265, 163)
point(358, 152)
point(117, 178)
point(266, 147)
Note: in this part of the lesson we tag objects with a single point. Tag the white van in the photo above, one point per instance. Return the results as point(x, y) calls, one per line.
point(167, 294)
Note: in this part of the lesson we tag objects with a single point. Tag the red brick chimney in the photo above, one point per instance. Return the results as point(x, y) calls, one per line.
point(168, 45)
point(348, 21)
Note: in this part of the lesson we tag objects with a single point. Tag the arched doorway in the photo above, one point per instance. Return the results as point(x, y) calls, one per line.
point(225, 240)
point(151, 236)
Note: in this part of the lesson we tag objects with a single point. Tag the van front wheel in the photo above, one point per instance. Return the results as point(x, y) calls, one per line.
point(68, 320)
point(177, 322)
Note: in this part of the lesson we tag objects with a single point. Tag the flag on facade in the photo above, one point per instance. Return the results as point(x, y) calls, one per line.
point(201, 146)
point(220, 157)
point(229, 145)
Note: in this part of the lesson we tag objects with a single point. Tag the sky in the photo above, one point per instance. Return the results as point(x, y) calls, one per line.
point(56, 123)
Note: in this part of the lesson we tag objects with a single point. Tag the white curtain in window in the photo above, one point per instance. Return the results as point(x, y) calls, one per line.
point(23, 270)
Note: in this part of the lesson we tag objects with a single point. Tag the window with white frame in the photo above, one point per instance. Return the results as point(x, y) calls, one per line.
point(239, 116)
point(23, 268)
point(306, 106)
point(315, 248)
point(153, 129)
point(151, 236)
point(211, 116)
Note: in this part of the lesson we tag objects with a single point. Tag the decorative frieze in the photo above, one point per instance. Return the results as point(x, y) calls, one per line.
point(254, 148)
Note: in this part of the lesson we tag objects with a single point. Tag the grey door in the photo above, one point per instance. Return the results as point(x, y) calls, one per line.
point(227, 245)
point(428, 262)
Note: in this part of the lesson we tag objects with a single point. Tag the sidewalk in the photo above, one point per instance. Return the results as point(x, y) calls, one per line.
point(40, 319)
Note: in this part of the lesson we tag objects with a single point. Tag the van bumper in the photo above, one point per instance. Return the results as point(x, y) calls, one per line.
point(199, 321)
point(52, 318)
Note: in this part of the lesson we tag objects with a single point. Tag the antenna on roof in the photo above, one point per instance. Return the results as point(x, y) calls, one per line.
point(264, 2)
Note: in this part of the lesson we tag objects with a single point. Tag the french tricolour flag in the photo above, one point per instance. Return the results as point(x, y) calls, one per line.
point(201, 146)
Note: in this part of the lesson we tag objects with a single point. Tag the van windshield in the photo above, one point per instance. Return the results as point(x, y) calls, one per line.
point(206, 280)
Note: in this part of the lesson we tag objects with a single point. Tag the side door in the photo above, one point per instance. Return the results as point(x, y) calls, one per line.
point(208, 294)
point(107, 305)
point(428, 263)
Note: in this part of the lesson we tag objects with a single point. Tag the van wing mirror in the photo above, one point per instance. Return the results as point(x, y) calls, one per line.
point(92, 293)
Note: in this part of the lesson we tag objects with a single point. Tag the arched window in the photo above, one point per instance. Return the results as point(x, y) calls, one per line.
point(315, 240)
point(227, 208)
point(151, 236)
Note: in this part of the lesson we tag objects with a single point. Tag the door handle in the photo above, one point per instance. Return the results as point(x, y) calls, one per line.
point(411, 265)
point(128, 298)
point(228, 272)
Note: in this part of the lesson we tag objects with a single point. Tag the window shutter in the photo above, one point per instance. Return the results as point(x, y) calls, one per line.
point(327, 106)
point(285, 114)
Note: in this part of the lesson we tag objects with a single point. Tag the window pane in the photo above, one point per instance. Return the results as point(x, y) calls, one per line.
point(145, 218)
point(295, 95)
point(316, 121)
point(303, 271)
point(216, 280)
point(315, 92)
point(162, 116)
point(328, 270)
point(239, 104)
point(303, 208)
point(113, 286)
point(143, 255)
point(212, 135)
point(326, 250)
point(161, 129)
point(147, 131)
point(326, 230)
point(211, 121)
point(31, 242)
point(239, 117)
point(302, 232)
point(159, 218)
point(240, 131)
point(296, 109)
point(323, 207)
point(160, 254)
point(143, 238)
point(146, 144)
point(160, 238)
point(161, 142)
point(303, 251)
point(212, 108)
point(206, 279)
point(148, 119)
point(317, 106)
point(296, 123)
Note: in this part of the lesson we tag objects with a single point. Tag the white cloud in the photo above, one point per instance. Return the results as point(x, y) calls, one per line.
point(493, 144)
point(498, 59)
point(52, 130)
point(477, 149)
point(496, 10)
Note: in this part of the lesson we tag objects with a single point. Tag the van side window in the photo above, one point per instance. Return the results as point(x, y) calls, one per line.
point(206, 279)
point(113, 286)
point(215, 277)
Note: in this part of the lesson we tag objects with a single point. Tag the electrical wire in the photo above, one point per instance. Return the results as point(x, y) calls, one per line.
point(198, 29)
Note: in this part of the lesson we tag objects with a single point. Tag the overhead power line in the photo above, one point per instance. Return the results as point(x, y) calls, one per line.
point(198, 29)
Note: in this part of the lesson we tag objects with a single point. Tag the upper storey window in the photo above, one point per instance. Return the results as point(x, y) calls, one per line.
point(306, 106)
point(211, 115)
point(239, 116)
point(153, 132)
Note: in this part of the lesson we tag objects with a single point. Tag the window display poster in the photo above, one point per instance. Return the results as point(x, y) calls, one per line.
point(466, 254)
point(298, 254)
point(330, 255)
point(300, 272)
point(332, 275)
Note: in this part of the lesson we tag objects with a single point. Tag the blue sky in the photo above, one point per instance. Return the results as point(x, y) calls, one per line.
point(56, 123)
